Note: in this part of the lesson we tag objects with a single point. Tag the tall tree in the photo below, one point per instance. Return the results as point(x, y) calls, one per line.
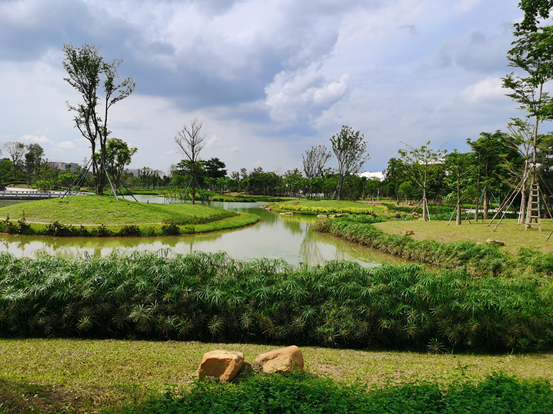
point(33, 160)
point(190, 141)
point(314, 161)
point(215, 168)
point(418, 163)
point(17, 151)
point(87, 70)
point(532, 52)
point(350, 149)
point(490, 153)
point(459, 169)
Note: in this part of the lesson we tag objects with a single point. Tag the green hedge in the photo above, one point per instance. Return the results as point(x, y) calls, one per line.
point(211, 297)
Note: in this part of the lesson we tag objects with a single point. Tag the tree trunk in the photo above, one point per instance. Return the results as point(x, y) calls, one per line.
point(458, 220)
point(522, 213)
point(486, 203)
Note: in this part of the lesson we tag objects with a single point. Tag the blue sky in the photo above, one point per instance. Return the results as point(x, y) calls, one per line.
point(268, 78)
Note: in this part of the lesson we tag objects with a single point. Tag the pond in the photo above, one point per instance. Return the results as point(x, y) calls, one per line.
point(274, 236)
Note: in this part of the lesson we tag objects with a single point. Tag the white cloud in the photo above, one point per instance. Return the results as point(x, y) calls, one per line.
point(484, 90)
point(257, 163)
point(169, 152)
point(66, 145)
point(214, 141)
point(234, 149)
point(35, 138)
point(303, 93)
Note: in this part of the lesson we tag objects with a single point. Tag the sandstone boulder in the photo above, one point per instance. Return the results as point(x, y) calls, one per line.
point(220, 364)
point(332, 216)
point(289, 213)
point(283, 359)
point(321, 215)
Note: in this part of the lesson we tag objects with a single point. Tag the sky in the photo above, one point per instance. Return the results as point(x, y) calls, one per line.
point(268, 79)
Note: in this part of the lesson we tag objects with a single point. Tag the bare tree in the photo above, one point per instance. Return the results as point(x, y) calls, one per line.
point(314, 161)
point(350, 149)
point(190, 141)
point(17, 151)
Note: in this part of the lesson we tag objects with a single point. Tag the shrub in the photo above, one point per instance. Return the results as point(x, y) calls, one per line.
point(304, 393)
point(170, 229)
point(103, 231)
point(129, 231)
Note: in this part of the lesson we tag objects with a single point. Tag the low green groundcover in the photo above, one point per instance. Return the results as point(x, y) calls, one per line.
point(301, 393)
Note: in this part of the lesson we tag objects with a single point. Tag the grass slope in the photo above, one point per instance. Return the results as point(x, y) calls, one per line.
point(94, 210)
point(85, 376)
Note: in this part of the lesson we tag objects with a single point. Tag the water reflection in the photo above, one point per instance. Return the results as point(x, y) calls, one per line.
point(275, 236)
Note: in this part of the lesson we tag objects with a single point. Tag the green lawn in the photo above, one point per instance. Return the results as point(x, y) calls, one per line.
point(94, 210)
point(513, 235)
point(87, 375)
point(327, 207)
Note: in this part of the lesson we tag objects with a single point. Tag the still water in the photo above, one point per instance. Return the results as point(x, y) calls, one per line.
point(274, 236)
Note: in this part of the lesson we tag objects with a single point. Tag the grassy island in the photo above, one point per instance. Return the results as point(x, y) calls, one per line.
point(81, 216)
point(315, 207)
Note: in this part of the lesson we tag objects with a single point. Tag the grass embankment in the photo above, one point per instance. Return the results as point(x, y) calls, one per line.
point(116, 217)
point(314, 207)
point(212, 297)
point(74, 375)
point(480, 259)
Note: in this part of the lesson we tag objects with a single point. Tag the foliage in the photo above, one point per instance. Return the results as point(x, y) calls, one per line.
point(350, 150)
point(85, 68)
point(59, 230)
point(314, 161)
point(170, 229)
point(303, 393)
point(131, 230)
point(423, 166)
point(212, 297)
point(326, 210)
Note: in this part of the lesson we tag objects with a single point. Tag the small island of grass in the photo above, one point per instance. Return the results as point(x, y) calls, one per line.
point(316, 207)
point(104, 216)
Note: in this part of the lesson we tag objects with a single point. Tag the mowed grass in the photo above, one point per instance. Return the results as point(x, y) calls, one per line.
point(89, 375)
point(512, 234)
point(95, 210)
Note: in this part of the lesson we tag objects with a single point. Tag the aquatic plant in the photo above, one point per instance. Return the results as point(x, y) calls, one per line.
point(213, 297)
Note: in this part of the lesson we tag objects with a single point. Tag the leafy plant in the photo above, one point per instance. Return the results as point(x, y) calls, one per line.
point(129, 231)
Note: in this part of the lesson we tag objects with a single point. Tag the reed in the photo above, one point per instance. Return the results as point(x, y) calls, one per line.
point(211, 297)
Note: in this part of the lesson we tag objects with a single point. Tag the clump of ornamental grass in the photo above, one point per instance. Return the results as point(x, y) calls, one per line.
point(211, 297)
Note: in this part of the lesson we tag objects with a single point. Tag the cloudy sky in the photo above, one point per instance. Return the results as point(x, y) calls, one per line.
point(268, 78)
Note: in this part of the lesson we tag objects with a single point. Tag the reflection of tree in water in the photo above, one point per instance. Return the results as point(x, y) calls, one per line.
point(309, 250)
point(296, 224)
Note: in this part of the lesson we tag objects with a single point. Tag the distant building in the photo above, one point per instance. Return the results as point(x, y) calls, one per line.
point(134, 171)
point(379, 175)
point(72, 166)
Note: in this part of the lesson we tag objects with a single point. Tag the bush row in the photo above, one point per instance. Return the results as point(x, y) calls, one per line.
point(58, 229)
point(212, 297)
point(301, 393)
